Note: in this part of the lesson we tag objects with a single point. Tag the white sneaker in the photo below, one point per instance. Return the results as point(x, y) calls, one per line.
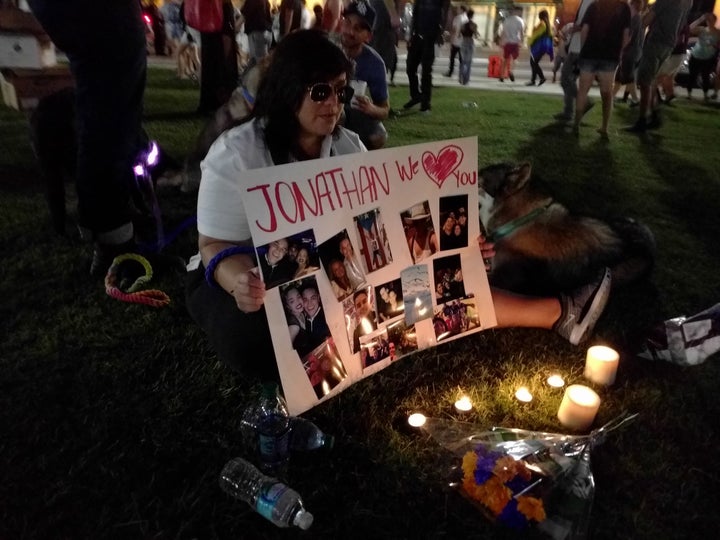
point(582, 309)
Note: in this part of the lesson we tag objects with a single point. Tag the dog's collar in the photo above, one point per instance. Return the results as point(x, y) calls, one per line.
point(247, 96)
point(511, 226)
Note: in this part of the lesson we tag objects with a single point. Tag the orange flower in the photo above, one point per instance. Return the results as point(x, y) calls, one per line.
point(468, 465)
point(505, 469)
point(495, 495)
point(531, 508)
point(473, 491)
point(523, 471)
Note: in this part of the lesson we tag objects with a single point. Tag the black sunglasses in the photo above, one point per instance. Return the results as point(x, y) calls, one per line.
point(319, 92)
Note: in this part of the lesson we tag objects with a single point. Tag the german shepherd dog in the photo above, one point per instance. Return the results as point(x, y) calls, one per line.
point(543, 249)
point(230, 114)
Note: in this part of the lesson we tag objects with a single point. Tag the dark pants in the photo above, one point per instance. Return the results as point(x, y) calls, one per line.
point(535, 69)
point(454, 51)
point(241, 340)
point(106, 49)
point(703, 68)
point(421, 53)
point(218, 65)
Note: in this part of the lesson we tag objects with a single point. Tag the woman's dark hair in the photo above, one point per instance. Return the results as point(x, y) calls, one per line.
point(543, 15)
point(301, 59)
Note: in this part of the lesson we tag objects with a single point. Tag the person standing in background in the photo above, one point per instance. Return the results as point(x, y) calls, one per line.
point(332, 18)
point(664, 19)
point(174, 27)
point(384, 34)
point(704, 54)
point(570, 71)
point(108, 59)
point(290, 16)
point(670, 67)
point(218, 63)
point(317, 17)
point(455, 38)
point(560, 48)
point(157, 22)
point(605, 32)
point(512, 34)
point(427, 26)
point(258, 24)
point(306, 18)
point(540, 43)
point(468, 32)
point(630, 56)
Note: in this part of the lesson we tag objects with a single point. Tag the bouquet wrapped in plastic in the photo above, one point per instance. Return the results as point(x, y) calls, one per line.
point(522, 478)
point(686, 341)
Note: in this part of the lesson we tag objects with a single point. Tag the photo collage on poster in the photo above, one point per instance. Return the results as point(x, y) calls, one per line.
point(379, 318)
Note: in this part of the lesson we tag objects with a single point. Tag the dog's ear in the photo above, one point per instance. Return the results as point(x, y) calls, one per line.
point(518, 178)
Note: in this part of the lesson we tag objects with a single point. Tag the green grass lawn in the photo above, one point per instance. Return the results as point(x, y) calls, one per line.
point(115, 419)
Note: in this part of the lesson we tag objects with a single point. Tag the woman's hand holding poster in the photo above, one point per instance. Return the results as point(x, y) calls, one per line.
point(367, 258)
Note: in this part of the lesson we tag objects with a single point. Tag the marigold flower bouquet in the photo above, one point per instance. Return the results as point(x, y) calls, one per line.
point(522, 478)
point(502, 486)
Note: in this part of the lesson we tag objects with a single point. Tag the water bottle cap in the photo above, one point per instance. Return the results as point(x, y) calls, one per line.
point(303, 519)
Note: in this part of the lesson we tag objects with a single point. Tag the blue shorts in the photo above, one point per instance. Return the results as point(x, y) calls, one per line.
point(594, 65)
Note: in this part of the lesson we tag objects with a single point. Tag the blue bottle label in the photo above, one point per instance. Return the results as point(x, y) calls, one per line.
point(268, 499)
point(273, 439)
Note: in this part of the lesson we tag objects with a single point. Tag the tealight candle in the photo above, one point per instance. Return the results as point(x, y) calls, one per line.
point(523, 394)
point(578, 408)
point(601, 365)
point(556, 381)
point(463, 404)
point(417, 420)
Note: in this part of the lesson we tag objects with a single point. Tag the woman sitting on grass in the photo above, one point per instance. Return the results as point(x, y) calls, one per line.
point(295, 118)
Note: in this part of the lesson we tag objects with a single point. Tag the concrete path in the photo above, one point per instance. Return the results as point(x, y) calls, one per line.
point(478, 74)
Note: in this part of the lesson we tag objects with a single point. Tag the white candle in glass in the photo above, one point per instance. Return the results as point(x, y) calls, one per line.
point(523, 395)
point(463, 405)
point(601, 365)
point(578, 408)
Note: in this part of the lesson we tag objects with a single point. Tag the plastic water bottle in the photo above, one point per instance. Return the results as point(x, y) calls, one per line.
point(306, 436)
point(267, 422)
point(469, 105)
point(268, 496)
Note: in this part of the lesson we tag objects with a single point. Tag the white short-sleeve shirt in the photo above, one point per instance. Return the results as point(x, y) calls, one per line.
point(220, 210)
point(513, 29)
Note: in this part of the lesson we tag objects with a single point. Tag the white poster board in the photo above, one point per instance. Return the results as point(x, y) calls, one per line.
point(416, 277)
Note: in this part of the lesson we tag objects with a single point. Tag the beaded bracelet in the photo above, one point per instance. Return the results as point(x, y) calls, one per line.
point(153, 297)
point(224, 254)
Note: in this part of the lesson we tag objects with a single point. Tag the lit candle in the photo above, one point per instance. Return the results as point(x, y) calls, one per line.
point(416, 420)
point(463, 404)
point(523, 394)
point(578, 408)
point(556, 381)
point(601, 365)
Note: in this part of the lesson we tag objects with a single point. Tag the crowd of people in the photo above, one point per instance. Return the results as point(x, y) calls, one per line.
point(323, 92)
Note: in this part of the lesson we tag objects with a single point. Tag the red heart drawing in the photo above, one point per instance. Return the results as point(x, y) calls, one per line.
point(439, 167)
